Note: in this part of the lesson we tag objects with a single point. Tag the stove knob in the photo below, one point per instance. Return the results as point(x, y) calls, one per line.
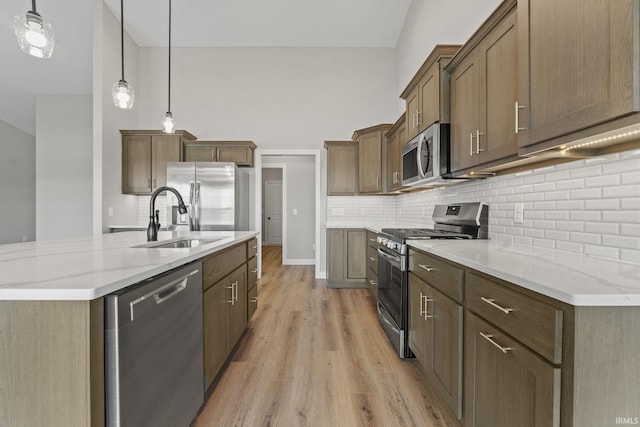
point(390, 244)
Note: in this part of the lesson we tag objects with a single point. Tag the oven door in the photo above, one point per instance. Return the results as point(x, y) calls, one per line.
point(390, 272)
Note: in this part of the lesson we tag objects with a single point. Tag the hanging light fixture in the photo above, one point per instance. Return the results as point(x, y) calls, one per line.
point(168, 124)
point(122, 92)
point(35, 35)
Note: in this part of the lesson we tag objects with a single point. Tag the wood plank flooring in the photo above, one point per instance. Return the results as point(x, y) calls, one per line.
point(314, 356)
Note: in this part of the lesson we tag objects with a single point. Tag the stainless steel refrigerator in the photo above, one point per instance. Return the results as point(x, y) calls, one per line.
point(217, 195)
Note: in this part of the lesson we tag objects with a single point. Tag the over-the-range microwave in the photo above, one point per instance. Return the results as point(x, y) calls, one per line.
point(425, 159)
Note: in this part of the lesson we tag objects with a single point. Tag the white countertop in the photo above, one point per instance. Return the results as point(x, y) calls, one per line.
point(91, 267)
point(575, 279)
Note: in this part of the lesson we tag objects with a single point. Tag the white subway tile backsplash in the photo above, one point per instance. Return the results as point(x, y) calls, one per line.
point(587, 206)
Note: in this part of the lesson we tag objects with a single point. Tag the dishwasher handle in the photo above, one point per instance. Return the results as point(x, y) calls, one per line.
point(160, 294)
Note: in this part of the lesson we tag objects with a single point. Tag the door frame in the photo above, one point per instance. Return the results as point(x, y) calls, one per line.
point(283, 167)
point(259, 153)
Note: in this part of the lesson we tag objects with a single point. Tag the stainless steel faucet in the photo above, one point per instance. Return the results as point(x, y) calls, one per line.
point(154, 225)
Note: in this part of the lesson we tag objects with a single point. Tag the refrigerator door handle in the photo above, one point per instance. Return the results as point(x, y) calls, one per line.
point(197, 206)
point(191, 206)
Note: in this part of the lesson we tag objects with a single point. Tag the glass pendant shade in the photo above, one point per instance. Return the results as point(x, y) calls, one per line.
point(168, 124)
point(122, 94)
point(35, 35)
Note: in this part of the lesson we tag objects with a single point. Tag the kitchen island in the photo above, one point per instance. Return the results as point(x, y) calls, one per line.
point(52, 318)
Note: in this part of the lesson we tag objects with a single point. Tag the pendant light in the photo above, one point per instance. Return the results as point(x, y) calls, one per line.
point(168, 124)
point(122, 92)
point(35, 35)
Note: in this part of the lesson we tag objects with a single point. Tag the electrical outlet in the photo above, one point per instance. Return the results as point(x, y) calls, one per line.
point(110, 211)
point(518, 213)
point(295, 211)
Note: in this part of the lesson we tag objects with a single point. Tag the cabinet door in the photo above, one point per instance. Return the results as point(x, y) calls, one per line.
point(446, 347)
point(238, 155)
point(499, 82)
point(237, 309)
point(393, 161)
point(204, 153)
point(413, 105)
point(336, 255)
point(370, 163)
point(418, 325)
point(506, 383)
point(429, 88)
point(356, 254)
point(165, 148)
point(465, 106)
point(342, 170)
point(215, 330)
point(136, 164)
point(578, 65)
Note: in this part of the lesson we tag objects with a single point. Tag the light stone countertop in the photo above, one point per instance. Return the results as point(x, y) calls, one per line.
point(91, 267)
point(576, 279)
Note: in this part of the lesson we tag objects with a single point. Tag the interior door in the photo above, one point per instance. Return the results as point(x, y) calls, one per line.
point(273, 212)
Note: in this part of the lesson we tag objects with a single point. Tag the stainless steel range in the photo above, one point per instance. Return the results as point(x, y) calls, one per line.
point(455, 221)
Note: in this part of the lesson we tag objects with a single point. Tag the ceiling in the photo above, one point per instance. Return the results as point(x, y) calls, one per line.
point(195, 23)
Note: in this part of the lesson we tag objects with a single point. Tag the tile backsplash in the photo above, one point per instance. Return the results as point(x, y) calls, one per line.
point(587, 206)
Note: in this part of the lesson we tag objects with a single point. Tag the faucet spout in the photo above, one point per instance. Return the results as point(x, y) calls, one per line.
point(152, 229)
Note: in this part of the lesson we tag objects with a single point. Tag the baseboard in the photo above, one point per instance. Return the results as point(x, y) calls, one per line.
point(298, 261)
point(321, 274)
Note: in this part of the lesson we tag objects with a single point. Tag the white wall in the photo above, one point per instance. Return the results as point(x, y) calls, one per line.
point(125, 207)
point(277, 97)
point(431, 22)
point(17, 185)
point(64, 182)
point(299, 193)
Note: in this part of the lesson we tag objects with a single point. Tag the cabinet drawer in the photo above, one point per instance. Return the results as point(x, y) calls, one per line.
point(216, 266)
point(534, 323)
point(372, 259)
point(252, 248)
point(252, 275)
point(372, 282)
point(443, 276)
point(252, 301)
point(372, 239)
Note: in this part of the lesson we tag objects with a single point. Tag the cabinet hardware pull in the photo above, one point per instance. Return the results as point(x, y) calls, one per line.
point(254, 247)
point(426, 267)
point(489, 337)
point(519, 107)
point(254, 299)
point(427, 300)
point(232, 301)
point(423, 311)
point(471, 144)
point(372, 258)
point(418, 113)
point(373, 283)
point(492, 303)
point(478, 149)
point(373, 240)
point(377, 181)
point(254, 270)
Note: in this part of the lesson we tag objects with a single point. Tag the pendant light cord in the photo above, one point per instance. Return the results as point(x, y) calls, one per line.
point(169, 97)
point(121, 36)
point(33, 7)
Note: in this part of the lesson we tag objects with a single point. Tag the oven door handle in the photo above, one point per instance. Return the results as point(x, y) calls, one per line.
point(393, 259)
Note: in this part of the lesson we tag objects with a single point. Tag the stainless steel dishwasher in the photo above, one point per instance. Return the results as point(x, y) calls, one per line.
point(153, 351)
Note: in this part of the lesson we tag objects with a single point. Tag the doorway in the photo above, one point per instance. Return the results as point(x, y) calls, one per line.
point(272, 202)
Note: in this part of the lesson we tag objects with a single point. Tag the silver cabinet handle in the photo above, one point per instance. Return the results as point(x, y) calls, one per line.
point(373, 240)
point(518, 108)
point(492, 303)
point(427, 300)
point(426, 267)
point(254, 270)
point(235, 288)
point(478, 149)
point(231, 301)
point(372, 258)
point(373, 283)
point(471, 144)
point(423, 311)
point(254, 299)
point(489, 337)
point(254, 247)
point(418, 122)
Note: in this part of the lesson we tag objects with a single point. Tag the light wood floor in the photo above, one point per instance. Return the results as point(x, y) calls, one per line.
point(314, 356)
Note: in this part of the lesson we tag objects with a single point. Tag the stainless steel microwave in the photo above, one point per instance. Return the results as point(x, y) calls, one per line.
point(425, 159)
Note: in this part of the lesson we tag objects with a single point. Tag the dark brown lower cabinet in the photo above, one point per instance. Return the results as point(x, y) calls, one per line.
point(435, 336)
point(506, 383)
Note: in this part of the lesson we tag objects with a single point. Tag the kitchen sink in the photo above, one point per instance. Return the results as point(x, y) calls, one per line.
point(180, 243)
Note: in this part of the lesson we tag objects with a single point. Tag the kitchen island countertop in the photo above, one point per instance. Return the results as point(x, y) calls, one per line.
point(91, 267)
point(576, 279)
